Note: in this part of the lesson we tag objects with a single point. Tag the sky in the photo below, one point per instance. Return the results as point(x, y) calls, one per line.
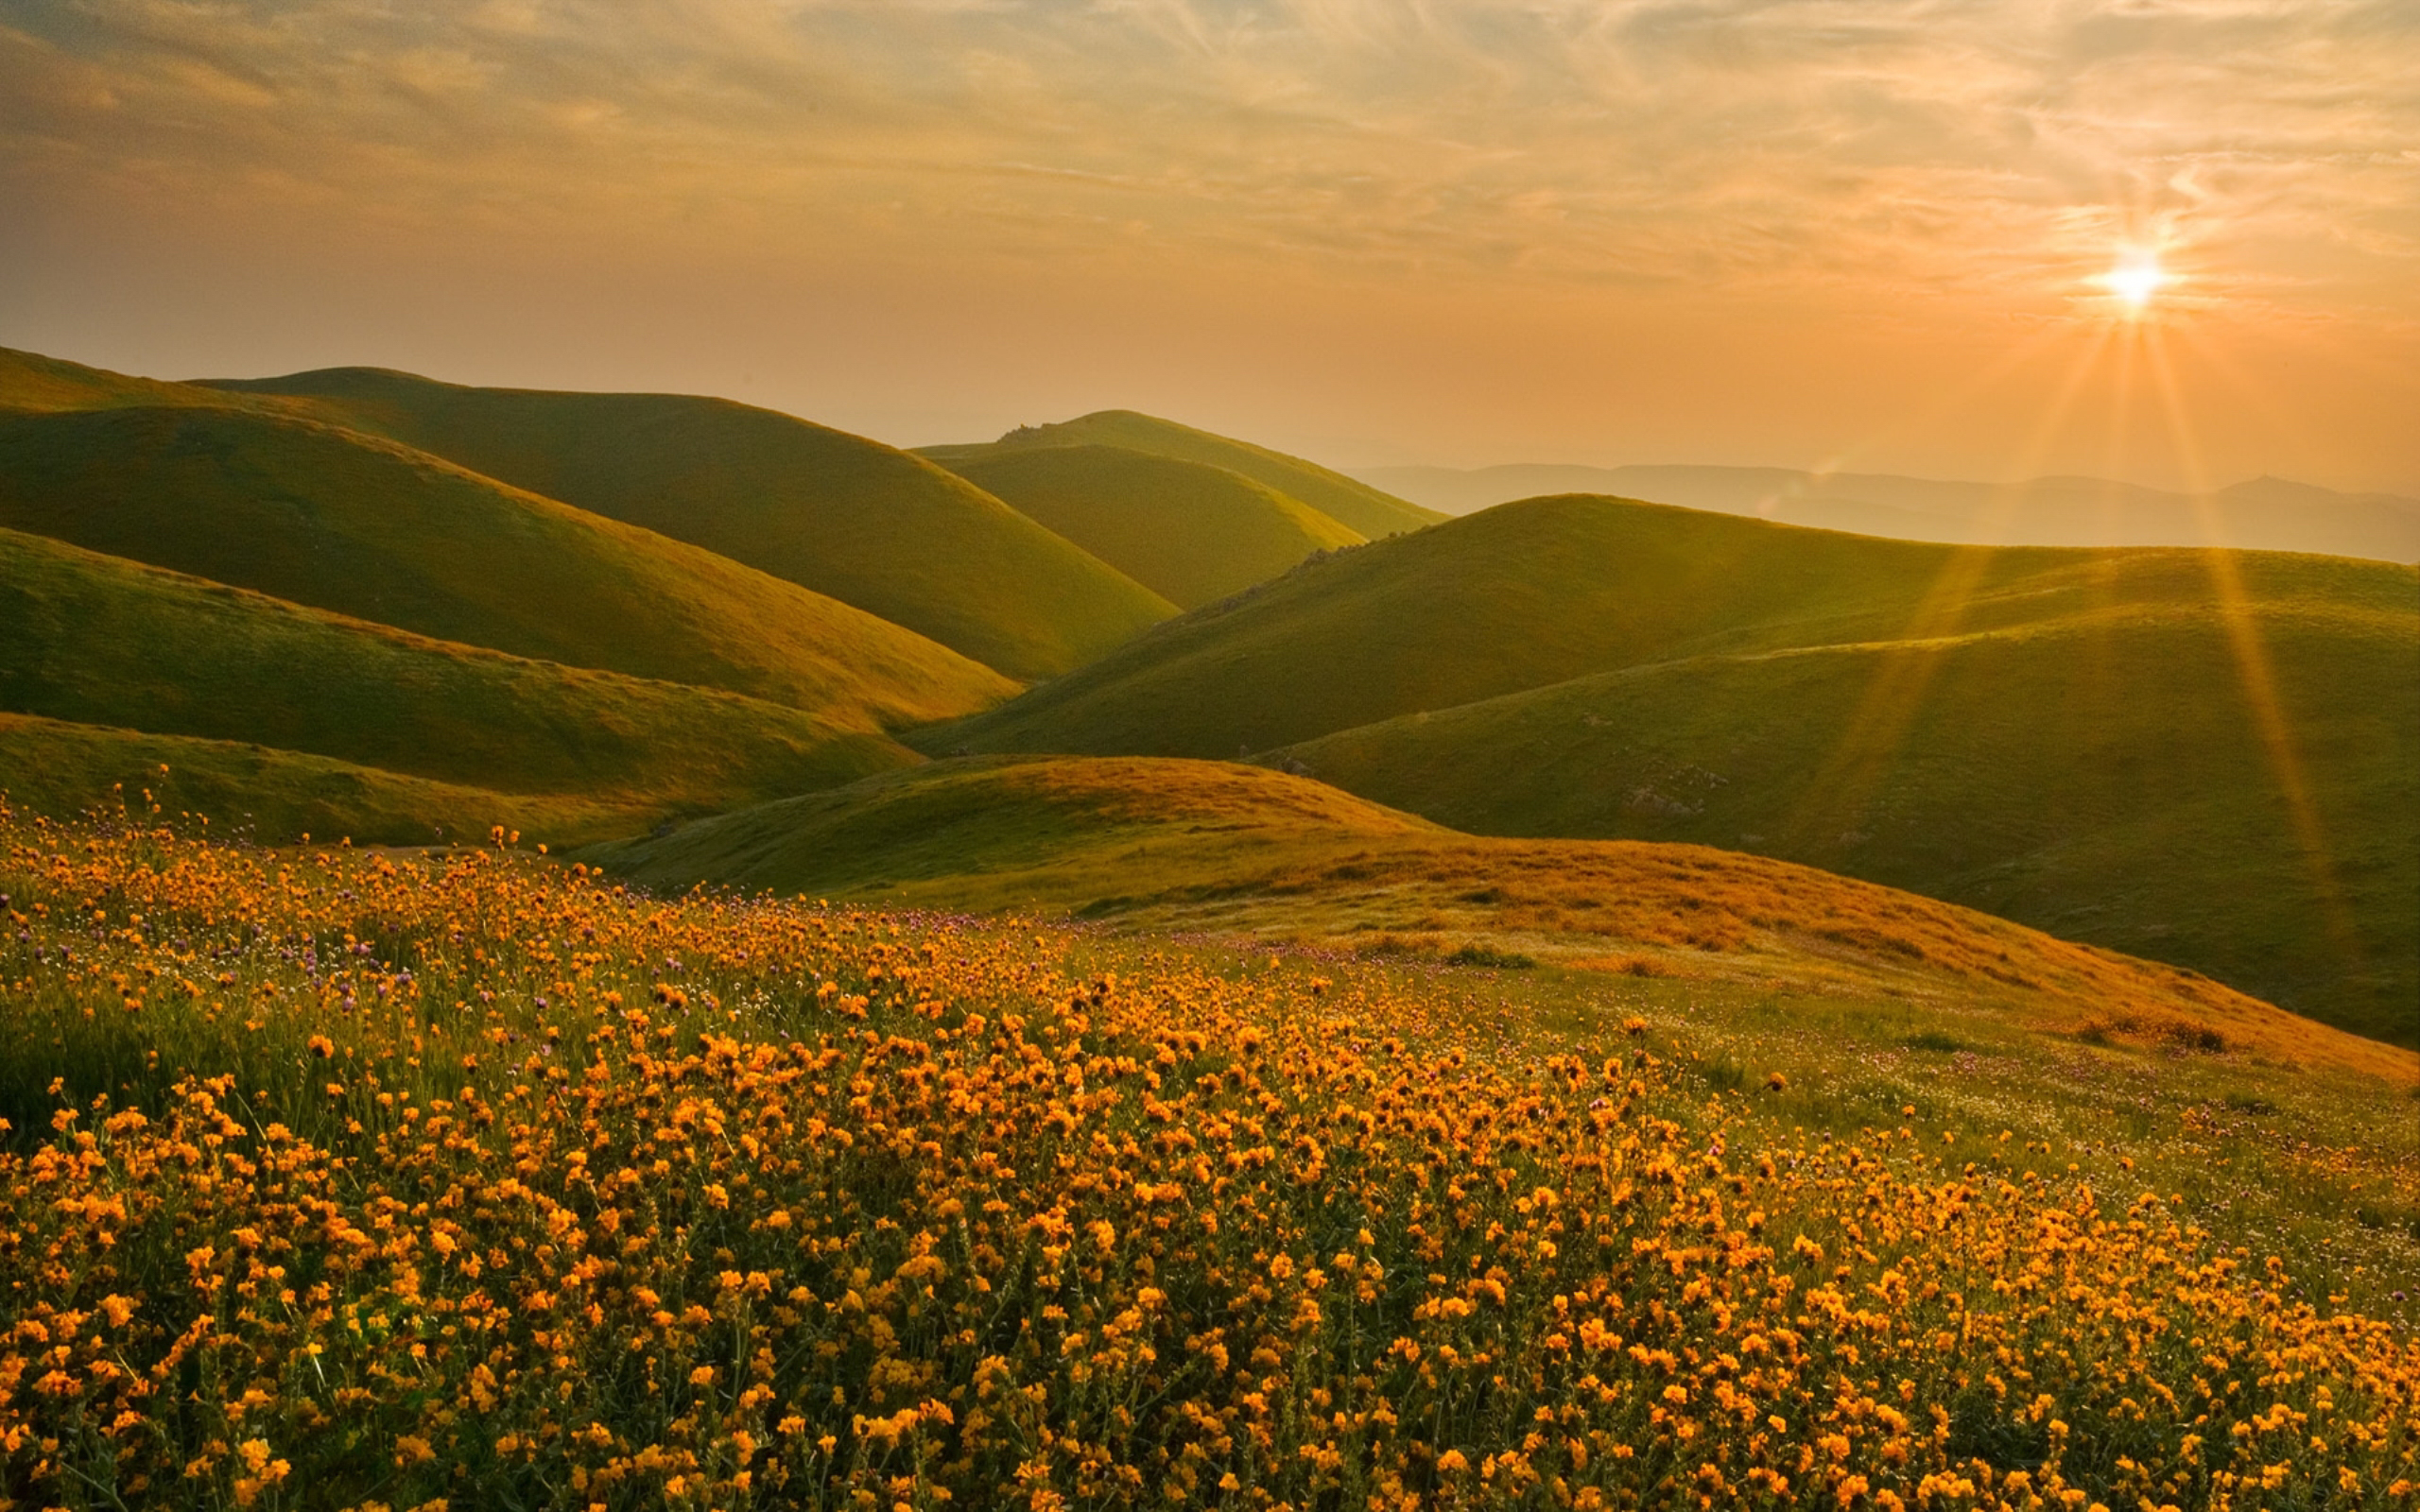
point(1872, 234)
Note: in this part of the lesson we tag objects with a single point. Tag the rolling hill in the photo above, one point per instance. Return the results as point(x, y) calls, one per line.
point(1190, 532)
point(1236, 852)
point(1348, 501)
point(364, 526)
point(93, 640)
point(846, 517)
point(239, 790)
point(2267, 514)
point(1516, 597)
point(2063, 737)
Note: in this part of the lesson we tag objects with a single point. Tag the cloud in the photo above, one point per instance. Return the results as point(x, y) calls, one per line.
point(1788, 140)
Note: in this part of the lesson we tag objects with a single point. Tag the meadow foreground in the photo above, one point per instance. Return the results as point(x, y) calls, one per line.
point(347, 1178)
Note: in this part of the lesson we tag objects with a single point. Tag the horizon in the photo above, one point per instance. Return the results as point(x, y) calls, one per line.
point(2172, 245)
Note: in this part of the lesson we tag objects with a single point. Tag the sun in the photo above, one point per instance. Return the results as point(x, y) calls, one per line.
point(2134, 281)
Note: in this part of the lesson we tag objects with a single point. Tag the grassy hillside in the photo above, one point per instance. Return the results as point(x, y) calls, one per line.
point(1348, 501)
point(887, 532)
point(33, 384)
point(2104, 776)
point(367, 527)
point(1238, 851)
point(2110, 781)
point(1517, 597)
point(95, 640)
point(1189, 532)
point(239, 790)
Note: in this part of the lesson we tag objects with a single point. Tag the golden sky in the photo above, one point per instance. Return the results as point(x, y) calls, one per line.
point(1860, 233)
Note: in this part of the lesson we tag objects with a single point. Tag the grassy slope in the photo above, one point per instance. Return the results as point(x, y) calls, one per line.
point(1211, 846)
point(31, 382)
point(55, 768)
point(1348, 501)
point(364, 526)
point(1517, 597)
point(2104, 776)
point(1189, 532)
point(94, 640)
point(891, 533)
point(2108, 782)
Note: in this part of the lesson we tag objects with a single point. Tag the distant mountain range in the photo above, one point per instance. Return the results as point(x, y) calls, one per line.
point(2266, 514)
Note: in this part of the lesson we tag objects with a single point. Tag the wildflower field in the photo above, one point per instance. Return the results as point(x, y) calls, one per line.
point(469, 1179)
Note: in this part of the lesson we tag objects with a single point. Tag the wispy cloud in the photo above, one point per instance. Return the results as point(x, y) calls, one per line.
point(1637, 139)
point(1865, 153)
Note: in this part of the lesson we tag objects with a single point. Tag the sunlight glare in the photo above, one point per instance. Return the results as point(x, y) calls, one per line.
point(2135, 281)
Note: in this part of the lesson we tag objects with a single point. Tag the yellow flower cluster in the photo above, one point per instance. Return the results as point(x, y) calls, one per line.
point(474, 1180)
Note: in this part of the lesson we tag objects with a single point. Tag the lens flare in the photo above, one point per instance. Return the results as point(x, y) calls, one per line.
point(2136, 282)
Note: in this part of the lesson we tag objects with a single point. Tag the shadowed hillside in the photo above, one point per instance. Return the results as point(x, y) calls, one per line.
point(1348, 501)
point(94, 640)
point(239, 790)
point(1189, 532)
point(1515, 598)
point(867, 524)
point(367, 527)
point(1233, 851)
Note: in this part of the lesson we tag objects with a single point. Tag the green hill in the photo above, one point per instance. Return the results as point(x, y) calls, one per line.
point(1348, 501)
point(317, 515)
point(1516, 597)
point(1189, 532)
point(58, 770)
point(33, 384)
point(2062, 736)
point(870, 526)
point(1209, 848)
point(2103, 777)
point(94, 640)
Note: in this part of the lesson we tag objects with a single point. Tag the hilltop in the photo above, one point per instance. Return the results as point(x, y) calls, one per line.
point(1190, 532)
point(1514, 598)
point(2267, 514)
point(1246, 853)
point(319, 515)
point(95, 641)
point(1356, 505)
point(850, 518)
point(2072, 739)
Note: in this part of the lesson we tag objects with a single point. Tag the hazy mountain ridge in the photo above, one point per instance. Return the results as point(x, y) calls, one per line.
point(2267, 514)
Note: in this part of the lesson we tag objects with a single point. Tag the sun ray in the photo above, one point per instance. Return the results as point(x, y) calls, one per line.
point(2253, 669)
point(1844, 784)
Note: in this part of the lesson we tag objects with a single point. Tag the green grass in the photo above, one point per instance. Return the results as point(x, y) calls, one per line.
point(1348, 501)
point(1190, 532)
point(886, 531)
point(2103, 777)
point(364, 526)
point(2062, 736)
point(1233, 852)
point(242, 791)
point(94, 640)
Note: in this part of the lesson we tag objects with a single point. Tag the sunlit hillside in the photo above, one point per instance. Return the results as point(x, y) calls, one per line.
point(2200, 759)
point(1239, 852)
point(1348, 501)
point(97, 640)
point(317, 515)
point(1190, 532)
point(858, 521)
point(728, 1202)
